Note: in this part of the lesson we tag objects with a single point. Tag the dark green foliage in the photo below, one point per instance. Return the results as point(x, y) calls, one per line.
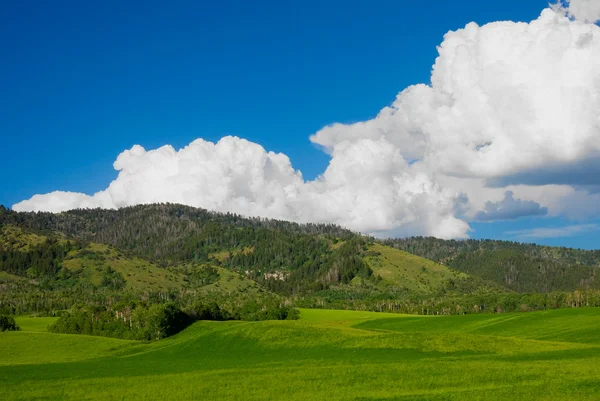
point(203, 276)
point(516, 266)
point(524, 273)
point(255, 310)
point(252, 310)
point(7, 323)
point(442, 250)
point(148, 322)
point(457, 304)
point(112, 279)
point(132, 321)
point(207, 311)
point(166, 231)
point(37, 261)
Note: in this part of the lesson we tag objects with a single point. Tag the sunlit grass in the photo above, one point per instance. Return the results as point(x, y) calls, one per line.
point(412, 272)
point(326, 355)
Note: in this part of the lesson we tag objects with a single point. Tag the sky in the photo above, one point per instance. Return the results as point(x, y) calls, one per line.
point(390, 118)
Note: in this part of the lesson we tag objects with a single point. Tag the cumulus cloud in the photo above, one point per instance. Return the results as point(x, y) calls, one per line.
point(584, 10)
point(554, 232)
point(510, 107)
point(510, 208)
point(504, 98)
point(367, 187)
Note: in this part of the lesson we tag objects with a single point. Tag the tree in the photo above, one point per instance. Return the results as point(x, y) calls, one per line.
point(7, 323)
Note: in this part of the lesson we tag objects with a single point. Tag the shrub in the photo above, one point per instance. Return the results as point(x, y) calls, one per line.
point(7, 323)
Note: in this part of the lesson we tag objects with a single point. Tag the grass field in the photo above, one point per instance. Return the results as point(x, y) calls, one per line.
point(326, 355)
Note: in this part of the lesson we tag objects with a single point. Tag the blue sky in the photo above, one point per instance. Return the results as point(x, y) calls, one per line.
point(81, 82)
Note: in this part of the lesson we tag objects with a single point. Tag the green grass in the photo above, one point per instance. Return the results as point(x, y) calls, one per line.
point(230, 282)
point(35, 345)
point(343, 317)
point(564, 325)
point(326, 355)
point(37, 324)
point(15, 238)
point(418, 275)
point(139, 274)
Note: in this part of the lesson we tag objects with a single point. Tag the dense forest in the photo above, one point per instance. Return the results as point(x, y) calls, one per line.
point(174, 264)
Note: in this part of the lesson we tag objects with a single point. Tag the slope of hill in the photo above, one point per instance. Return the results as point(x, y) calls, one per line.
point(284, 257)
point(557, 326)
point(443, 250)
point(166, 231)
point(415, 274)
point(519, 267)
point(43, 273)
point(166, 248)
point(325, 355)
point(101, 264)
point(169, 235)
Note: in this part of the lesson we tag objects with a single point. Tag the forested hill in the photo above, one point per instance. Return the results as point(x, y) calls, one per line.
point(287, 257)
point(164, 231)
point(520, 267)
point(442, 250)
point(298, 259)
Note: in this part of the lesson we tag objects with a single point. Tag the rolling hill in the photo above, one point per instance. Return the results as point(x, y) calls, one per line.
point(334, 355)
point(166, 252)
point(519, 267)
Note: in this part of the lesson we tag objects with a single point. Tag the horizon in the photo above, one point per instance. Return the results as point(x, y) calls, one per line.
point(384, 121)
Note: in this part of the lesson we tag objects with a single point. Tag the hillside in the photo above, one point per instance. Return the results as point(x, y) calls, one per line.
point(174, 253)
point(171, 235)
point(417, 275)
point(46, 272)
point(308, 255)
point(519, 267)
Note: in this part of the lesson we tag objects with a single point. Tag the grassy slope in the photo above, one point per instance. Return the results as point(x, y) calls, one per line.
point(416, 274)
point(555, 325)
point(15, 238)
point(334, 355)
point(231, 282)
point(34, 345)
point(139, 274)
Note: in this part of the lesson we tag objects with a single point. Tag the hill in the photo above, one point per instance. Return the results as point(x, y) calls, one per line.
point(334, 355)
point(519, 267)
point(418, 275)
point(174, 253)
point(170, 235)
point(283, 257)
point(47, 272)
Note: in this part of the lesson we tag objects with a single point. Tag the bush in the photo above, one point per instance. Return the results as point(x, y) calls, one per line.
point(207, 311)
point(135, 322)
point(7, 323)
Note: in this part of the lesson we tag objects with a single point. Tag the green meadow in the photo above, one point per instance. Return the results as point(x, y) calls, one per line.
point(326, 355)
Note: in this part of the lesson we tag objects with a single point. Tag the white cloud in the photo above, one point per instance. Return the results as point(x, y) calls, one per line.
point(368, 187)
point(584, 10)
point(506, 98)
point(511, 107)
point(554, 232)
